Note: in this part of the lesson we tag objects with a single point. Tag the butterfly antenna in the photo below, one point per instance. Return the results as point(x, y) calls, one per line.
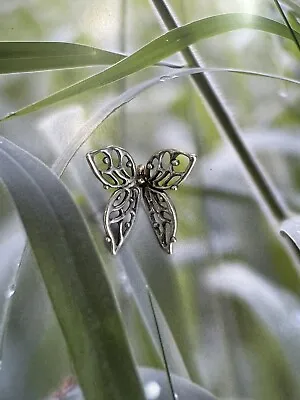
point(175, 397)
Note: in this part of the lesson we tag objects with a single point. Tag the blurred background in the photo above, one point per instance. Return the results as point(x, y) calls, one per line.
point(228, 298)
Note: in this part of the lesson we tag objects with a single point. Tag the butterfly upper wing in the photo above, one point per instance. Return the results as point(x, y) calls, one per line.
point(168, 168)
point(162, 216)
point(120, 214)
point(113, 166)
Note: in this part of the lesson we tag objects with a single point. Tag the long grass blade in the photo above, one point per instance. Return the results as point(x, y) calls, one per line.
point(264, 189)
point(63, 249)
point(138, 283)
point(284, 17)
point(162, 345)
point(293, 6)
point(18, 57)
point(87, 130)
point(164, 46)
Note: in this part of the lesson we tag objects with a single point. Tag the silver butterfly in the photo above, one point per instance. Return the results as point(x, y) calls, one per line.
point(115, 168)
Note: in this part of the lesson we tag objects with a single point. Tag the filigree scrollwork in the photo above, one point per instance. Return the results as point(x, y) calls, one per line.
point(120, 214)
point(115, 168)
point(162, 216)
point(168, 168)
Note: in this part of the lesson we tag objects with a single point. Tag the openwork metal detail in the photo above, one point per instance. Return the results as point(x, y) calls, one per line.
point(115, 168)
point(120, 214)
point(162, 216)
point(168, 168)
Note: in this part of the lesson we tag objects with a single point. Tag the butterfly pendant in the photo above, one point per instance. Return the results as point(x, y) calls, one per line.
point(116, 169)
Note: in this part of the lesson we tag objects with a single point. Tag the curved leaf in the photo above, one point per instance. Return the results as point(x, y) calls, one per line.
point(160, 48)
point(74, 277)
point(91, 125)
point(41, 56)
point(290, 229)
point(16, 57)
point(139, 283)
point(293, 6)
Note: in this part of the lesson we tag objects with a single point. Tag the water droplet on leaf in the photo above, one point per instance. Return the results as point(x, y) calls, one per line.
point(164, 78)
point(152, 390)
point(283, 94)
point(10, 291)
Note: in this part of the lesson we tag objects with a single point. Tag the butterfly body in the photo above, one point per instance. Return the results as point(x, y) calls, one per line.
point(116, 169)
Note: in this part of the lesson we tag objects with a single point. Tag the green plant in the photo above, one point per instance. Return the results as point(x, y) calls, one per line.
point(223, 312)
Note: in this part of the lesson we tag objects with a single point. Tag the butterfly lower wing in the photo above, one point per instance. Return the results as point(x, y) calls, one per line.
point(120, 214)
point(162, 216)
point(168, 168)
point(113, 166)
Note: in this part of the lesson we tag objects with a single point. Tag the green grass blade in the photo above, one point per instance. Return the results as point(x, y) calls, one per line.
point(160, 48)
point(17, 57)
point(91, 125)
point(290, 229)
point(292, 5)
point(40, 56)
point(138, 283)
point(293, 35)
point(74, 277)
point(217, 107)
point(166, 364)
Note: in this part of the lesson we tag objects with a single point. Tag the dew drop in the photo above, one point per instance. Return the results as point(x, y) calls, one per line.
point(283, 94)
point(152, 390)
point(164, 78)
point(108, 239)
point(9, 115)
point(106, 187)
point(174, 187)
point(10, 291)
